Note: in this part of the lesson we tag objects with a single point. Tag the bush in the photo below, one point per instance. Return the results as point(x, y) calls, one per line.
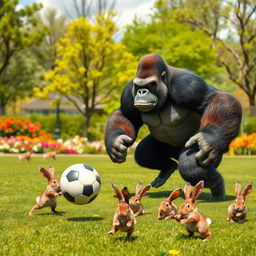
point(70, 126)
point(249, 125)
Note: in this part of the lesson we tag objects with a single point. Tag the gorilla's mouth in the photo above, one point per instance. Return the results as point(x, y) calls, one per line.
point(145, 106)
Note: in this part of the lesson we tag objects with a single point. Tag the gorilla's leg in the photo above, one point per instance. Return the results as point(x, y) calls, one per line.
point(191, 171)
point(154, 154)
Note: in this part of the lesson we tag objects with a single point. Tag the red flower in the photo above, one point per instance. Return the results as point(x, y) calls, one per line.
point(9, 130)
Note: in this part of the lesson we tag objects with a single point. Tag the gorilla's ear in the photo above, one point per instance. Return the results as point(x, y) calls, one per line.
point(164, 77)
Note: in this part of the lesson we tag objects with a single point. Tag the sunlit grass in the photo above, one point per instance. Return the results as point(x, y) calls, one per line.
point(82, 230)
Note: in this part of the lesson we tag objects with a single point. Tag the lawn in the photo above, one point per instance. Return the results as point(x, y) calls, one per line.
point(82, 230)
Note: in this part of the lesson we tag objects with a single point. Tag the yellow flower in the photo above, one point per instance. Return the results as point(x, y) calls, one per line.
point(173, 252)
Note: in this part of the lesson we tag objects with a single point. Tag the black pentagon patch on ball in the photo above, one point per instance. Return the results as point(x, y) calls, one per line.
point(88, 167)
point(98, 179)
point(88, 190)
point(69, 197)
point(72, 176)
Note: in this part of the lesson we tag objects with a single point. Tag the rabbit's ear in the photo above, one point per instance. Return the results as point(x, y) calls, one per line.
point(45, 173)
point(175, 194)
point(126, 194)
point(138, 188)
point(187, 190)
point(144, 191)
point(197, 190)
point(51, 171)
point(238, 188)
point(118, 193)
point(247, 189)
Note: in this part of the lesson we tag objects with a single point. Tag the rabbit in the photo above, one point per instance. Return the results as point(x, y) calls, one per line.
point(26, 156)
point(188, 213)
point(48, 155)
point(237, 210)
point(124, 218)
point(168, 209)
point(48, 197)
point(135, 201)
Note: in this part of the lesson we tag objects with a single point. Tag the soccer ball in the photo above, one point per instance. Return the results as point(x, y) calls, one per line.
point(80, 183)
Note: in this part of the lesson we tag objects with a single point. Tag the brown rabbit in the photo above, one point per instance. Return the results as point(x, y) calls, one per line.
point(135, 201)
point(51, 154)
point(237, 211)
point(48, 197)
point(168, 209)
point(26, 156)
point(195, 221)
point(124, 219)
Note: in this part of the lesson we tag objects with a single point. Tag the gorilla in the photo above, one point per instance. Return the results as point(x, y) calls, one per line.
point(191, 124)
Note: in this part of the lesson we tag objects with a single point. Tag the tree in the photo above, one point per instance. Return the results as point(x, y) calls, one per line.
point(15, 33)
point(90, 66)
point(20, 77)
point(89, 8)
point(55, 26)
point(178, 44)
point(232, 28)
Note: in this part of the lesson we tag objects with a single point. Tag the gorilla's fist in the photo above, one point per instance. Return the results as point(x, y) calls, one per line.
point(118, 148)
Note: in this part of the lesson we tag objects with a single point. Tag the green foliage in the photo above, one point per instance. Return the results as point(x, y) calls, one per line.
point(70, 126)
point(231, 27)
point(82, 230)
point(249, 125)
point(15, 71)
point(179, 45)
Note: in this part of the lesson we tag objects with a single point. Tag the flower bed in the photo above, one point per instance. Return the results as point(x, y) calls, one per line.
point(244, 145)
point(10, 126)
point(77, 145)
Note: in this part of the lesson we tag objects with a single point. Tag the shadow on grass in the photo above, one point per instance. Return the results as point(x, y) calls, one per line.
point(123, 239)
point(196, 237)
point(86, 219)
point(51, 213)
point(204, 197)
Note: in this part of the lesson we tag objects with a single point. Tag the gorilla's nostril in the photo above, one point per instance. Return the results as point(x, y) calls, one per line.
point(143, 91)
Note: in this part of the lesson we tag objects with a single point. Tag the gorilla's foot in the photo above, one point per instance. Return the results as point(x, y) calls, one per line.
point(161, 178)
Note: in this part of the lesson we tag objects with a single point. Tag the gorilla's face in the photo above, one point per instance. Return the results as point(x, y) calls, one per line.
point(150, 85)
point(149, 93)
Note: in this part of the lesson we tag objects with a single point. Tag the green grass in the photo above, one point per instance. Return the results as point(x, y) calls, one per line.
point(82, 230)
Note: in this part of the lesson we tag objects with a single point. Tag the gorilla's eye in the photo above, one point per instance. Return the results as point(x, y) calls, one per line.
point(152, 84)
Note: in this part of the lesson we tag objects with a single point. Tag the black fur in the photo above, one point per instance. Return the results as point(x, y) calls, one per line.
point(220, 120)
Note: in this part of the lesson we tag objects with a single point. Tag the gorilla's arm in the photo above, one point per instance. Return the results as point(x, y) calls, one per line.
point(221, 114)
point(122, 127)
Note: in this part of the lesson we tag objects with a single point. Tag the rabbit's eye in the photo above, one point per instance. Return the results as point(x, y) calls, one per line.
point(167, 204)
point(54, 182)
point(136, 200)
point(188, 206)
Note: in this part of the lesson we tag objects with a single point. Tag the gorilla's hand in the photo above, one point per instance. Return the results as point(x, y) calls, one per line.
point(207, 153)
point(118, 149)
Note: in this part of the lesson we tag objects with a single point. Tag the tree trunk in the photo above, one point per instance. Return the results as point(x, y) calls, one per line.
point(86, 125)
point(2, 109)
